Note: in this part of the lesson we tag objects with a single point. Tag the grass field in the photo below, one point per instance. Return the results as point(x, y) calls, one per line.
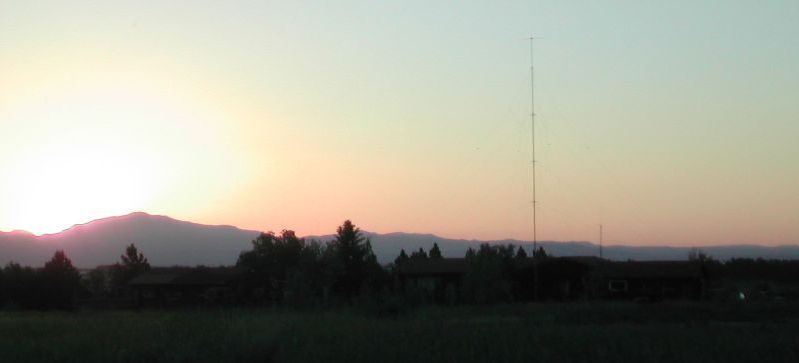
point(509, 333)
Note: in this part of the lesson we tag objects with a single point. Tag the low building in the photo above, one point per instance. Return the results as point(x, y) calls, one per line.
point(186, 286)
point(652, 280)
point(437, 278)
point(558, 278)
point(566, 278)
point(561, 278)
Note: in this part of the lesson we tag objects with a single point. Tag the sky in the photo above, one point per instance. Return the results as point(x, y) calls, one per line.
point(669, 123)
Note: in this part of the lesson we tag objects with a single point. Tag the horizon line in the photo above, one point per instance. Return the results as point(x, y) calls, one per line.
point(521, 241)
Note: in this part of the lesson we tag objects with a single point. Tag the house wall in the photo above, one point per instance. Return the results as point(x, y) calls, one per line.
point(652, 288)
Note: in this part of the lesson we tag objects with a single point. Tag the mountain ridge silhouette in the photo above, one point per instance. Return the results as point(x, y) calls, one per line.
point(166, 241)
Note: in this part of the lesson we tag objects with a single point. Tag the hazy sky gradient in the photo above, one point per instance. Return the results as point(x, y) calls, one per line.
point(668, 123)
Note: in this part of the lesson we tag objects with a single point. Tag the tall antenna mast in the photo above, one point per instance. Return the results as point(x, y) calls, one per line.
point(600, 241)
point(532, 141)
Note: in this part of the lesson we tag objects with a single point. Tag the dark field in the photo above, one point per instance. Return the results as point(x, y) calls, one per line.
point(510, 333)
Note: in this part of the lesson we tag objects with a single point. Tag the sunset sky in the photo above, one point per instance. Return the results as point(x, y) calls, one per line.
point(670, 123)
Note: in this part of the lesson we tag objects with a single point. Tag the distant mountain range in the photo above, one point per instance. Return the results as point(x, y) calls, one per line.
point(166, 242)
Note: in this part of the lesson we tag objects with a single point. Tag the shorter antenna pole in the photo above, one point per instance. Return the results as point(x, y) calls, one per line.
point(600, 241)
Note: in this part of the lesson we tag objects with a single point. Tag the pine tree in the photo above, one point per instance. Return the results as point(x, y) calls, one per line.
point(470, 253)
point(133, 264)
point(134, 260)
point(401, 259)
point(419, 255)
point(371, 258)
point(353, 252)
point(61, 281)
point(521, 253)
point(540, 253)
point(435, 252)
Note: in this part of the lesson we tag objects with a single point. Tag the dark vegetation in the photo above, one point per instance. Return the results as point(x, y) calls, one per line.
point(58, 285)
point(285, 270)
point(293, 300)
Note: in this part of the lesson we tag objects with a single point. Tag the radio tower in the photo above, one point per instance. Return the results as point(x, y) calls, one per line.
point(532, 148)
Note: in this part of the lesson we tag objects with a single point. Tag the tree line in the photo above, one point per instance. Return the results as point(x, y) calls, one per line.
point(283, 269)
point(58, 284)
point(279, 269)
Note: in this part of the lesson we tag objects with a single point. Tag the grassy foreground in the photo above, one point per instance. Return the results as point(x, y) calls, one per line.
point(512, 333)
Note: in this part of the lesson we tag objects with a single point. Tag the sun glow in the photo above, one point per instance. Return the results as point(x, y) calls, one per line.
point(84, 154)
point(110, 144)
point(74, 183)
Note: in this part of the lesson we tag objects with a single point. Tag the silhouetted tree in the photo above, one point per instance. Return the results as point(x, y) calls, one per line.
point(401, 259)
point(696, 254)
point(540, 253)
point(133, 264)
point(470, 252)
point(305, 281)
point(2, 290)
point(60, 281)
point(282, 265)
point(488, 279)
point(521, 253)
point(435, 252)
point(376, 277)
point(355, 259)
point(419, 255)
point(135, 260)
point(22, 286)
point(371, 258)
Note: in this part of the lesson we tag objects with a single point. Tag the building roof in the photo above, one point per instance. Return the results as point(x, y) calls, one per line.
point(652, 269)
point(589, 261)
point(443, 266)
point(592, 261)
point(459, 266)
point(200, 276)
